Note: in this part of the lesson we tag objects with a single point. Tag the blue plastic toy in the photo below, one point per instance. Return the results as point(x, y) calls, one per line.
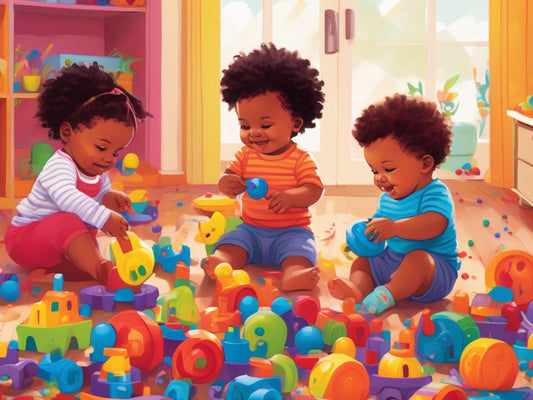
point(249, 387)
point(10, 291)
point(360, 243)
point(67, 373)
point(257, 188)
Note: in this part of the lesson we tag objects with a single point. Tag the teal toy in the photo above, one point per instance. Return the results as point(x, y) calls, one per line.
point(443, 337)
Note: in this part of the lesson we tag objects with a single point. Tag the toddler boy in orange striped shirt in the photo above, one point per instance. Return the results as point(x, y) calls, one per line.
point(276, 95)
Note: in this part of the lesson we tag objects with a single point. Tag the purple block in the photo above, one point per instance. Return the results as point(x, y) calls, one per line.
point(7, 276)
point(21, 373)
point(101, 299)
point(396, 388)
point(496, 329)
point(230, 371)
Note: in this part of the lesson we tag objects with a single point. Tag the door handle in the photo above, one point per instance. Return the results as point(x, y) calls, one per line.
point(350, 23)
point(331, 32)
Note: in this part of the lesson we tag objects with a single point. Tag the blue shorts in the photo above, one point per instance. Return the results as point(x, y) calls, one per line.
point(272, 246)
point(386, 263)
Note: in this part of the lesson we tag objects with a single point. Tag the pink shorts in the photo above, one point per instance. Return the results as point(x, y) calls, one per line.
point(43, 243)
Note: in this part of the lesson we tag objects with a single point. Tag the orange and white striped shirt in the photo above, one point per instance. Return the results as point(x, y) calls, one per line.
point(291, 169)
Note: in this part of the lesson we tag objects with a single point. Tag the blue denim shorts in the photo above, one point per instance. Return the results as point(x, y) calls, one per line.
point(272, 246)
point(386, 263)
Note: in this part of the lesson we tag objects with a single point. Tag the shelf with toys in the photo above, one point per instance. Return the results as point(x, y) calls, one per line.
point(38, 38)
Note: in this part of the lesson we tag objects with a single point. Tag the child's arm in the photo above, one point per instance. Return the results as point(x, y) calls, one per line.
point(300, 197)
point(419, 227)
point(231, 184)
point(58, 182)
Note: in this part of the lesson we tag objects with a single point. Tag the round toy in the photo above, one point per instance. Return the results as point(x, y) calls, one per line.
point(339, 377)
point(344, 345)
point(130, 163)
point(360, 243)
point(102, 335)
point(10, 291)
point(199, 357)
point(512, 269)
point(307, 339)
point(285, 368)
point(489, 364)
point(248, 306)
point(256, 188)
point(141, 336)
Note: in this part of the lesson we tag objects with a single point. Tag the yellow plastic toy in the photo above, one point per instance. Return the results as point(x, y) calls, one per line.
point(210, 231)
point(134, 259)
point(400, 361)
point(339, 377)
point(215, 202)
point(489, 364)
point(55, 323)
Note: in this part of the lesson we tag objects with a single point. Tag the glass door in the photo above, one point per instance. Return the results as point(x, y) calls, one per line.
point(364, 51)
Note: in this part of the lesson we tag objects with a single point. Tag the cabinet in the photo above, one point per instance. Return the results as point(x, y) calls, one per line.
point(523, 157)
point(73, 29)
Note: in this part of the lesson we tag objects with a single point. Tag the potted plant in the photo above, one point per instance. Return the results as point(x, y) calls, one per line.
point(464, 141)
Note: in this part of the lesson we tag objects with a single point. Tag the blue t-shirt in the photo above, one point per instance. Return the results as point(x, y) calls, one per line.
point(434, 197)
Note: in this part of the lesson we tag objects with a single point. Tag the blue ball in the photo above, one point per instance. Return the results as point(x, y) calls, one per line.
point(248, 306)
point(308, 338)
point(10, 291)
point(257, 188)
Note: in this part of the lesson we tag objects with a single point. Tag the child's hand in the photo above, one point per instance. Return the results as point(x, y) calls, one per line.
point(231, 185)
point(381, 229)
point(279, 202)
point(116, 226)
point(117, 201)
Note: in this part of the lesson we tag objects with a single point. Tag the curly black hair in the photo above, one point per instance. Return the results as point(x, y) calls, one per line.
point(66, 98)
point(415, 123)
point(269, 69)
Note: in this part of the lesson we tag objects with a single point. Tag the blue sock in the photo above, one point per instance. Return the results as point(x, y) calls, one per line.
point(378, 301)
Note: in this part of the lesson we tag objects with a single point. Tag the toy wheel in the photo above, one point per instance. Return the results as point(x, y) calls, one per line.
point(351, 383)
point(70, 379)
point(141, 336)
point(285, 368)
point(512, 269)
point(198, 358)
point(489, 364)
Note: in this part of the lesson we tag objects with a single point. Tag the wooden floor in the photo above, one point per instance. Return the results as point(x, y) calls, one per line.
point(509, 228)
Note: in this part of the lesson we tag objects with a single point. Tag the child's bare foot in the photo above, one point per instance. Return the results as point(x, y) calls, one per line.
point(341, 288)
point(299, 279)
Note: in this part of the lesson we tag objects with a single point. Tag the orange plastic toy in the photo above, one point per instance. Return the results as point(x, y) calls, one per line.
point(489, 364)
point(514, 270)
point(199, 357)
point(231, 287)
point(339, 377)
point(141, 336)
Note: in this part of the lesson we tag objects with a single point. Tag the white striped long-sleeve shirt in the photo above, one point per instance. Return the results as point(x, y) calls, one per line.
point(55, 191)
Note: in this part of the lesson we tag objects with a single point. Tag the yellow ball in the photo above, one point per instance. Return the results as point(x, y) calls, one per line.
point(131, 160)
point(223, 270)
